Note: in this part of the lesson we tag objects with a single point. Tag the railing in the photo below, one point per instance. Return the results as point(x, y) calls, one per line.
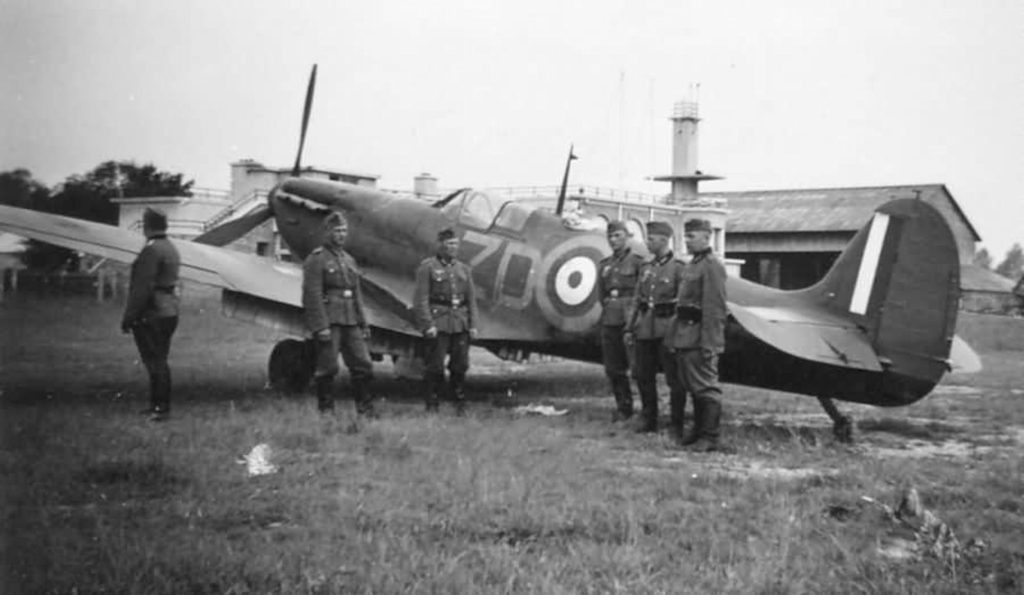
point(575, 192)
point(234, 208)
point(211, 194)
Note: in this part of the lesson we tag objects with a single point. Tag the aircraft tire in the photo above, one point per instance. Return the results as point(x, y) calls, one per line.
point(291, 366)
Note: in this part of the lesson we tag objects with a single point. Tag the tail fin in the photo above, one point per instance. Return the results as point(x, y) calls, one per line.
point(899, 280)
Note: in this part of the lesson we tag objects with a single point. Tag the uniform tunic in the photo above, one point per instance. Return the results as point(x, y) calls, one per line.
point(650, 320)
point(445, 299)
point(698, 329)
point(152, 314)
point(332, 299)
point(616, 286)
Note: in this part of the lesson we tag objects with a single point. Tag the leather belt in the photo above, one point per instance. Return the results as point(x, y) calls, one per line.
point(453, 302)
point(619, 293)
point(662, 310)
point(689, 314)
point(165, 288)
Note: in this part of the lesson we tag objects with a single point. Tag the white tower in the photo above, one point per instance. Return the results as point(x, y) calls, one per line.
point(685, 176)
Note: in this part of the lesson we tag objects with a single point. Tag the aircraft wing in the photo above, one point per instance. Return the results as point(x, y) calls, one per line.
point(809, 334)
point(277, 282)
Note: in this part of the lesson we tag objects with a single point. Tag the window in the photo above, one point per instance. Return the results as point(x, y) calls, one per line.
point(513, 216)
point(479, 210)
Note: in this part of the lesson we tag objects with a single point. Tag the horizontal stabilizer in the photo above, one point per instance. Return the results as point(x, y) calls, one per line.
point(810, 334)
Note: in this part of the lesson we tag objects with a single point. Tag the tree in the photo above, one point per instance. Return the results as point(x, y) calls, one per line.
point(86, 196)
point(983, 259)
point(89, 196)
point(19, 189)
point(1012, 266)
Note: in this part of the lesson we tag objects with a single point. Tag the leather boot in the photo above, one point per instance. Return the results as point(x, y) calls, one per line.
point(324, 394)
point(363, 398)
point(710, 417)
point(458, 394)
point(433, 386)
point(649, 409)
point(623, 399)
point(677, 423)
point(698, 424)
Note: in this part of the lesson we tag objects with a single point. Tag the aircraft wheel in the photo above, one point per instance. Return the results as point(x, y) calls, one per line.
point(291, 366)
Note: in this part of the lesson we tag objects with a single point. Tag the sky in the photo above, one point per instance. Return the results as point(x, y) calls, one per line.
point(793, 94)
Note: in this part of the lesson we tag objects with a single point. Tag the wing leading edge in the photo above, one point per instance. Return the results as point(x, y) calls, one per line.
point(273, 282)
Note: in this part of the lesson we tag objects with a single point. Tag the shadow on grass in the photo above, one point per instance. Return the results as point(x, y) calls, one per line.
point(131, 479)
point(933, 430)
point(764, 433)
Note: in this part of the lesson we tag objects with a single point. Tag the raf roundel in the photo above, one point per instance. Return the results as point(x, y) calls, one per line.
point(567, 280)
point(575, 280)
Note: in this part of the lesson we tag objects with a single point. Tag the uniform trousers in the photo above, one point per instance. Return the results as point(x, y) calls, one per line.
point(617, 359)
point(153, 338)
point(698, 371)
point(349, 340)
point(650, 356)
point(455, 346)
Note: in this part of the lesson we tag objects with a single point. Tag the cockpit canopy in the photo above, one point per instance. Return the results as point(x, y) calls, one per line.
point(482, 210)
point(485, 210)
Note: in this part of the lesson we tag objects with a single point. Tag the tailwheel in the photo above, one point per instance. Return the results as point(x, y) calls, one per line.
point(291, 365)
point(842, 426)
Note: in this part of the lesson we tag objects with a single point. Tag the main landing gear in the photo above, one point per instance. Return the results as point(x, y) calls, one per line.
point(842, 425)
point(291, 365)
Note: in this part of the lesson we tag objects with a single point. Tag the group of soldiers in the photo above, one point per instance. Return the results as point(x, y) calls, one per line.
point(665, 314)
point(659, 314)
point(444, 307)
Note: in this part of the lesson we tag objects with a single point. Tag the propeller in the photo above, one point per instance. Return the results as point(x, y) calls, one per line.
point(234, 229)
point(305, 121)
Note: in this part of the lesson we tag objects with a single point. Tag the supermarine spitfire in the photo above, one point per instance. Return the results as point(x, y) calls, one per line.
point(878, 329)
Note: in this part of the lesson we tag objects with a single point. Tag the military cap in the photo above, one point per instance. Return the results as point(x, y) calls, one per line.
point(154, 219)
point(697, 225)
point(659, 228)
point(335, 219)
point(617, 226)
point(445, 234)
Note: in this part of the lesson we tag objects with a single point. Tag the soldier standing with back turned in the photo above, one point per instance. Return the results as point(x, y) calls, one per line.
point(151, 313)
point(444, 305)
point(333, 305)
point(698, 334)
point(653, 307)
point(616, 285)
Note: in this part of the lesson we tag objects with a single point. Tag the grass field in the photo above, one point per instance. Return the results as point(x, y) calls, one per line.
point(97, 500)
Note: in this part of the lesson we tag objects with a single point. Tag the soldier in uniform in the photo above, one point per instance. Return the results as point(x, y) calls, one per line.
point(616, 285)
point(444, 305)
point(653, 306)
point(698, 334)
point(333, 306)
point(151, 314)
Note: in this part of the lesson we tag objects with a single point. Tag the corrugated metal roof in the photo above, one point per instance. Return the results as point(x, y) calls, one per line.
point(820, 209)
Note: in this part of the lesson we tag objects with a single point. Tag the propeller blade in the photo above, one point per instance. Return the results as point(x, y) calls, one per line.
point(226, 233)
point(305, 120)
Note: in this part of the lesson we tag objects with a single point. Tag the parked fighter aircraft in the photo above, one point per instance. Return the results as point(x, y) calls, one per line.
point(878, 329)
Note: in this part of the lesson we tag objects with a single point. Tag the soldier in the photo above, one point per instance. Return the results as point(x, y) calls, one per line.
point(698, 334)
point(651, 316)
point(151, 314)
point(333, 304)
point(444, 305)
point(616, 285)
